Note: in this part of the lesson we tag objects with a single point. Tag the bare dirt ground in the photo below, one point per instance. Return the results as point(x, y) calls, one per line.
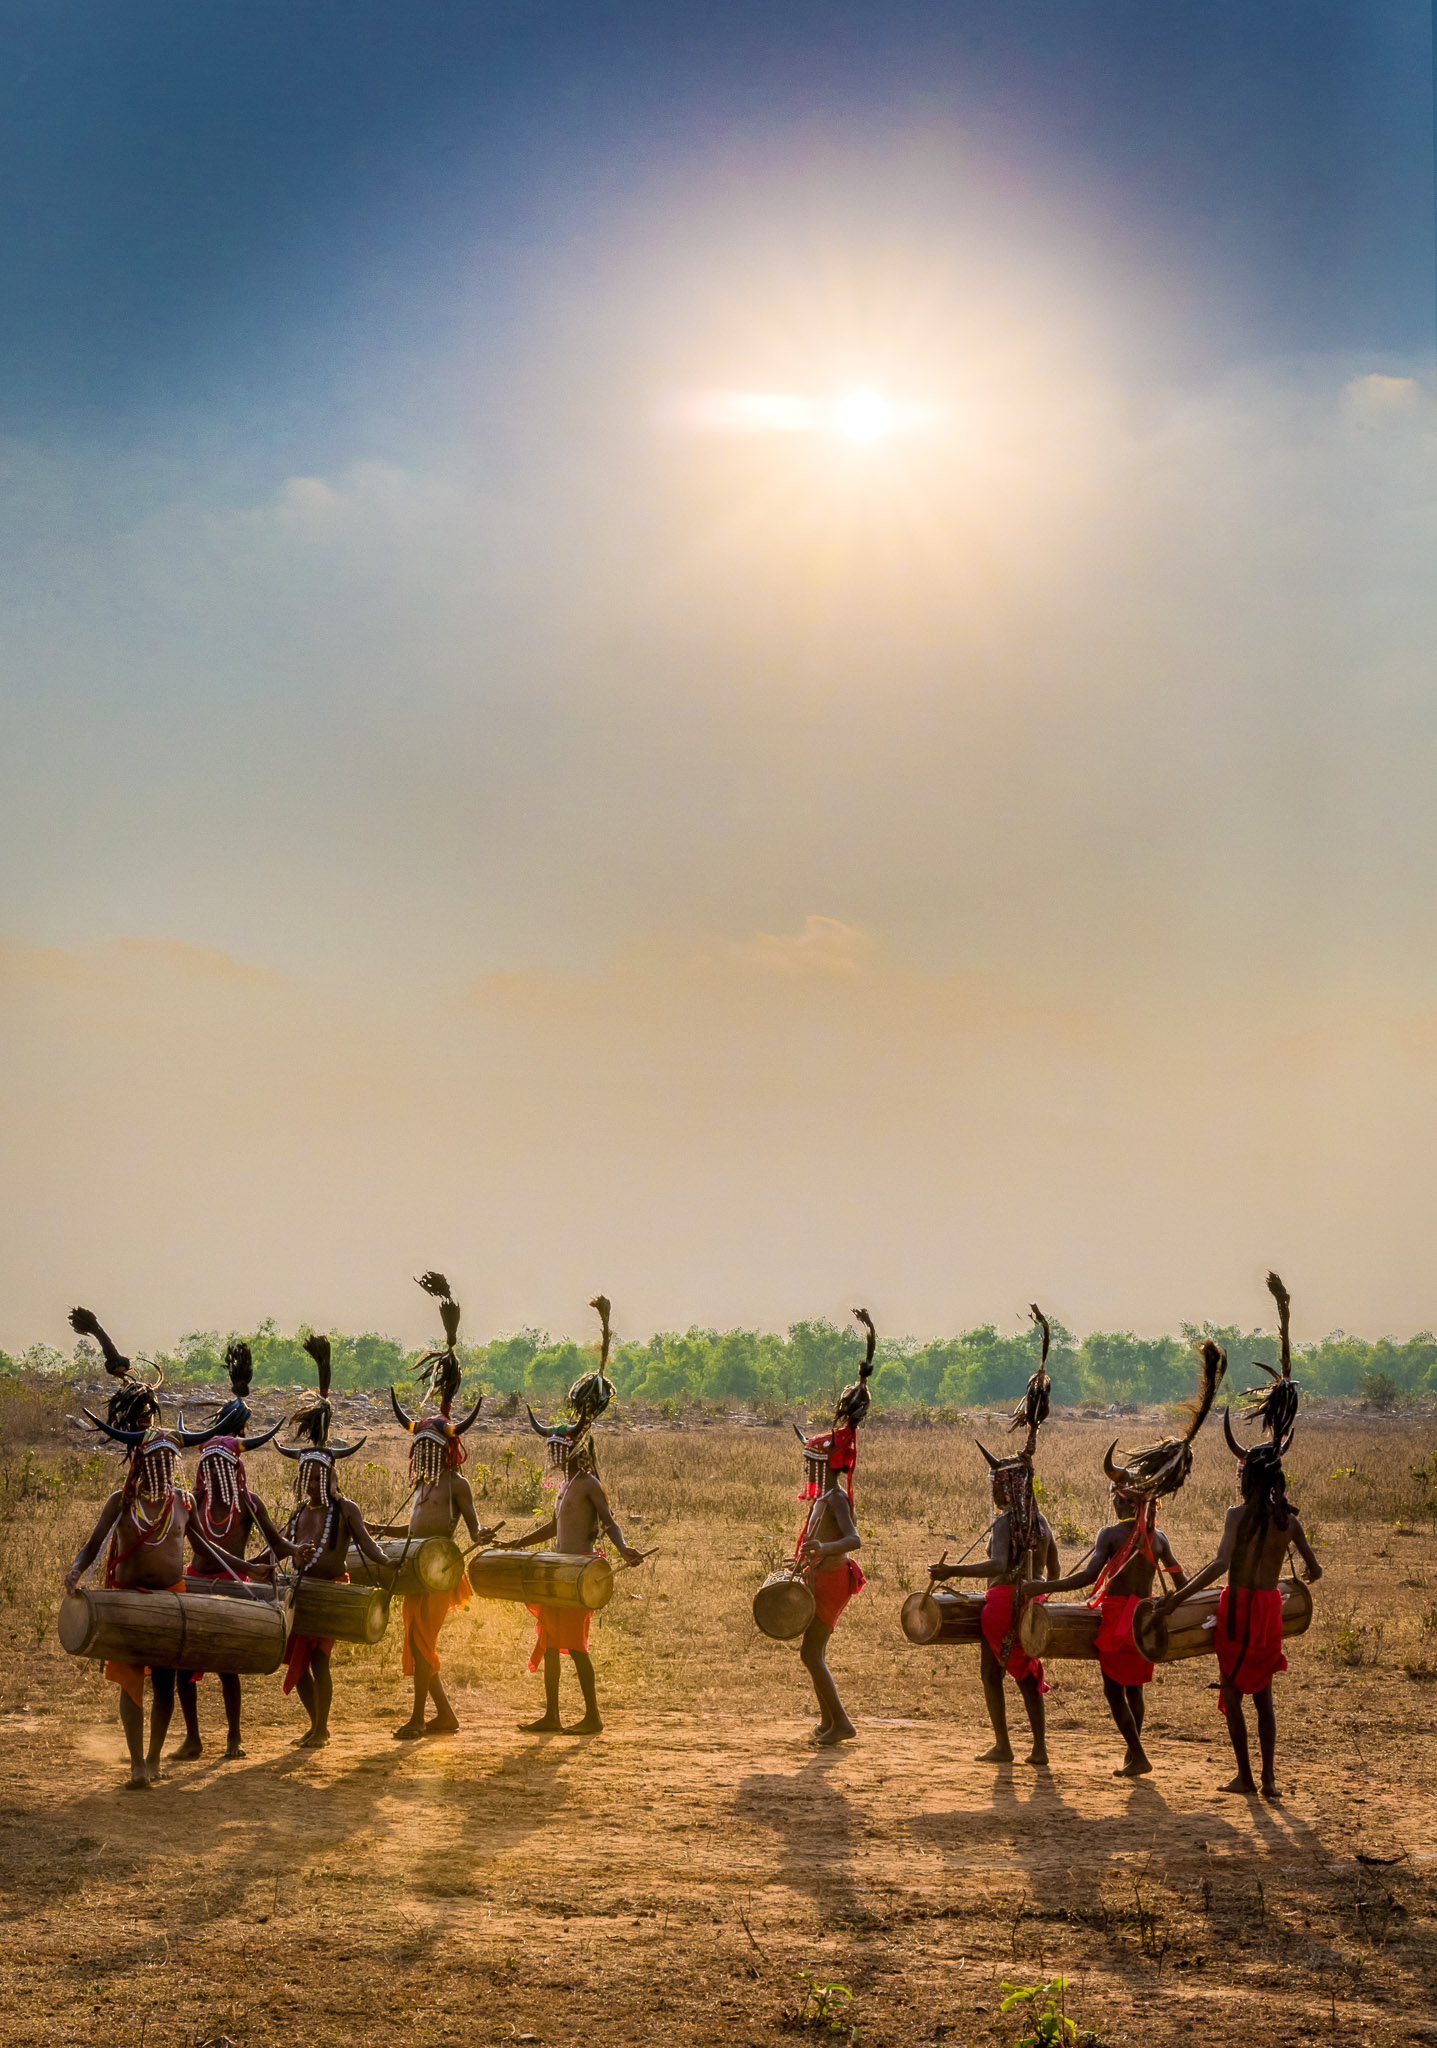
point(675, 1879)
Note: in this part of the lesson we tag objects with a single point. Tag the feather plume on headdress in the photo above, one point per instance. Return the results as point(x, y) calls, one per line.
point(133, 1405)
point(1156, 1469)
point(311, 1420)
point(439, 1371)
point(1032, 1411)
point(1274, 1408)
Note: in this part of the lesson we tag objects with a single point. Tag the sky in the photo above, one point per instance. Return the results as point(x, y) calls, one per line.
point(501, 770)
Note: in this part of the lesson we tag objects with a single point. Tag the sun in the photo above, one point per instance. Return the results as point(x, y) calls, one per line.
point(863, 416)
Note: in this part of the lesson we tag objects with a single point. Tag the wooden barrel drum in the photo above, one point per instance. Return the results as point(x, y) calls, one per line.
point(783, 1605)
point(422, 1564)
point(327, 1607)
point(173, 1631)
point(1059, 1628)
point(542, 1578)
point(1191, 1628)
point(935, 1615)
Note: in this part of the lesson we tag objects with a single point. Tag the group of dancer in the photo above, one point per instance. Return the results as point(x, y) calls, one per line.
point(149, 1522)
point(1130, 1555)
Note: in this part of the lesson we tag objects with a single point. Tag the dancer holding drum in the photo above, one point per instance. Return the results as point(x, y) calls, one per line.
point(228, 1514)
point(1126, 1559)
point(325, 1523)
point(148, 1522)
point(442, 1495)
point(581, 1510)
point(1020, 1549)
point(828, 1539)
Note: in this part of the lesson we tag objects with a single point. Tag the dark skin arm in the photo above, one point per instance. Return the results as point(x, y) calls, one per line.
point(540, 1535)
point(279, 1544)
point(90, 1549)
point(840, 1515)
point(363, 1541)
point(1222, 1563)
point(1000, 1563)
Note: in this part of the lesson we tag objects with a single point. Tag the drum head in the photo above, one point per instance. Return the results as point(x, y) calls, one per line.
point(783, 1607)
point(920, 1617)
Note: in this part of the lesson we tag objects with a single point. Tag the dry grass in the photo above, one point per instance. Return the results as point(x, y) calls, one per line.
point(667, 1883)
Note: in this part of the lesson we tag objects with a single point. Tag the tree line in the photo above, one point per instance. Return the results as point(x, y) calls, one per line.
point(812, 1359)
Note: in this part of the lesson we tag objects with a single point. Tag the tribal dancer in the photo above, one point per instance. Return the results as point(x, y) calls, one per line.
point(581, 1509)
point(228, 1514)
point(829, 1537)
point(1255, 1540)
point(1019, 1544)
point(1126, 1559)
point(148, 1522)
point(325, 1523)
point(441, 1496)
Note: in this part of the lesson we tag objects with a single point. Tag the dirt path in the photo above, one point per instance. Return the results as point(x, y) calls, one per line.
point(668, 1880)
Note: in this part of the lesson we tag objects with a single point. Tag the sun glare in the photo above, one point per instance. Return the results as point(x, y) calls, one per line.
point(863, 416)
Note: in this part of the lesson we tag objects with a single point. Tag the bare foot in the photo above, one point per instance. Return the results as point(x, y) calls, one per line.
point(136, 1782)
point(590, 1725)
point(410, 1732)
point(1271, 1793)
point(1240, 1784)
point(841, 1731)
point(442, 1724)
point(1134, 1766)
point(1000, 1753)
point(188, 1750)
point(317, 1738)
point(1038, 1757)
point(233, 1752)
point(155, 1774)
point(547, 1724)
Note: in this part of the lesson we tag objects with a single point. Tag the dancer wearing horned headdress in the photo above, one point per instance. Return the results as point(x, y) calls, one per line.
point(228, 1514)
point(148, 1522)
point(581, 1510)
point(1256, 1538)
point(1127, 1557)
point(829, 1537)
point(442, 1496)
point(325, 1523)
point(1021, 1549)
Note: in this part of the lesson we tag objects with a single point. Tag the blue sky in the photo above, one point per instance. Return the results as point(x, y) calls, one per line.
point(387, 611)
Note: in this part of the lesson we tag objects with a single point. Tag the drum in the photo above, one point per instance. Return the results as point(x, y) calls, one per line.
point(422, 1564)
point(1059, 1628)
point(327, 1607)
point(172, 1631)
point(542, 1578)
point(783, 1605)
point(935, 1615)
point(1191, 1628)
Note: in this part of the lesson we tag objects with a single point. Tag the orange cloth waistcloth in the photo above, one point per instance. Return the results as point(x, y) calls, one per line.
point(297, 1649)
point(424, 1615)
point(131, 1677)
point(1249, 1637)
point(1118, 1654)
point(832, 1587)
point(560, 1628)
point(994, 1620)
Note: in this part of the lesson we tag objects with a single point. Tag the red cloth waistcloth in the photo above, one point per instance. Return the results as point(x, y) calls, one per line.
point(1118, 1654)
point(995, 1620)
point(423, 1618)
point(832, 1587)
point(297, 1649)
point(560, 1628)
point(1249, 1637)
point(131, 1677)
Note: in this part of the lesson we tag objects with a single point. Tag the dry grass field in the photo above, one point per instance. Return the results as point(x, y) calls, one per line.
point(692, 1873)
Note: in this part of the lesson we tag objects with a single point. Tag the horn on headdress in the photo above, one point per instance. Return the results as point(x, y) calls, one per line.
point(121, 1436)
point(800, 1435)
point(252, 1443)
point(993, 1462)
point(536, 1425)
point(406, 1421)
point(1232, 1443)
point(470, 1419)
point(346, 1450)
point(1115, 1473)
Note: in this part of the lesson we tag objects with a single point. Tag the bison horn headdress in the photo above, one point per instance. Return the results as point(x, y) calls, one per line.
point(1156, 1469)
point(132, 1414)
point(436, 1437)
point(571, 1444)
point(311, 1423)
point(836, 1449)
point(1015, 1474)
point(1274, 1408)
point(234, 1415)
